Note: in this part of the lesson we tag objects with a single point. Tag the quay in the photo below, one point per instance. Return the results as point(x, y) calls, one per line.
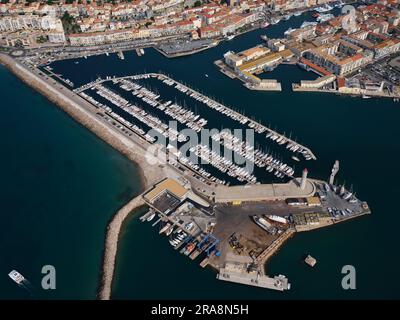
point(238, 274)
point(239, 249)
point(181, 49)
point(270, 250)
point(362, 93)
point(219, 228)
point(311, 261)
point(260, 192)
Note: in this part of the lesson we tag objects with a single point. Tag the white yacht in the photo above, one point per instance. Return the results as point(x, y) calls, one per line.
point(16, 276)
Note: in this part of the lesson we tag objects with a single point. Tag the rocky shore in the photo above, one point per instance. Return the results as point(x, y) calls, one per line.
point(72, 104)
point(79, 110)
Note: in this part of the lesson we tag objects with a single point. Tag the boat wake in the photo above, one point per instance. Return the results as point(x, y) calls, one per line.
point(25, 284)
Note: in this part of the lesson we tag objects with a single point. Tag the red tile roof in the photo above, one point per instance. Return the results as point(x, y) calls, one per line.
point(316, 68)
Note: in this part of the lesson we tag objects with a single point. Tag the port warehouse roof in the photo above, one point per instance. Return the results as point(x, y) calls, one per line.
point(321, 71)
point(309, 201)
point(260, 192)
point(265, 60)
point(168, 185)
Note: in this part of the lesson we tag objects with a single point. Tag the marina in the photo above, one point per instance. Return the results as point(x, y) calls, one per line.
point(349, 233)
point(311, 261)
point(150, 110)
point(235, 237)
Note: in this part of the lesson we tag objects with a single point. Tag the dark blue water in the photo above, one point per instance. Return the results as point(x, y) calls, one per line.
point(361, 133)
point(60, 186)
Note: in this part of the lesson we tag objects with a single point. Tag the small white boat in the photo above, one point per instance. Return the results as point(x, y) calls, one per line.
point(16, 276)
point(206, 75)
point(151, 217)
point(295, 158)
point(277, 218)
point(169, 231)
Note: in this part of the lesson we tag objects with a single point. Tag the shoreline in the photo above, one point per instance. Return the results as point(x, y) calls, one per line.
point(103, 132)
point(147, 177)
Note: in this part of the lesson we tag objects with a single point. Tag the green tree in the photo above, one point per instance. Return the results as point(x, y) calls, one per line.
point(69, 23)
point(41, 39)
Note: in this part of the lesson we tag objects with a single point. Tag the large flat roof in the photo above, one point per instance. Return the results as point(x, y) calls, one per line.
point(170, 185)
point(260, 192)
point(267, 59)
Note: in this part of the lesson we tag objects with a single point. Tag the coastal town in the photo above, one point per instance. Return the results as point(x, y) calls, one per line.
point(82, 22)
point(230, 216)
point(352, 53)
point(357, 57)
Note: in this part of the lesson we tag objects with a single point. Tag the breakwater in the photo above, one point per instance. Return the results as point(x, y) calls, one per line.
point(111, 246)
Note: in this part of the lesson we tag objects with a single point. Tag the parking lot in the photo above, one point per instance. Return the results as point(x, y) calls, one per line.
point(387, 70)
point(339, 205)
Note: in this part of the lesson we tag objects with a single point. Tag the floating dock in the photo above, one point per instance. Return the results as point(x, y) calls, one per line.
point(310, 261)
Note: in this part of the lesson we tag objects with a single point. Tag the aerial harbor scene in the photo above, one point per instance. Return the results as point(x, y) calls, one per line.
point(185, 149)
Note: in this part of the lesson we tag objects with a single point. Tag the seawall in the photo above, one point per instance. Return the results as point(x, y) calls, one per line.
point(78, 108)
point(111, 246)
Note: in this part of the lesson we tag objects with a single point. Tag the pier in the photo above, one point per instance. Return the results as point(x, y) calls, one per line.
point(191, 120)
point(273, 248)
point(238, 273)
point(258, 127)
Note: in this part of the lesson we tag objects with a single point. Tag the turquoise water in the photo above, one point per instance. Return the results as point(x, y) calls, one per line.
point(60, 186)
point(362, 133)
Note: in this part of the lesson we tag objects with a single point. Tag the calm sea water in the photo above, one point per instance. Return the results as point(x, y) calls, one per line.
point(60, 186)
point(361, 133)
